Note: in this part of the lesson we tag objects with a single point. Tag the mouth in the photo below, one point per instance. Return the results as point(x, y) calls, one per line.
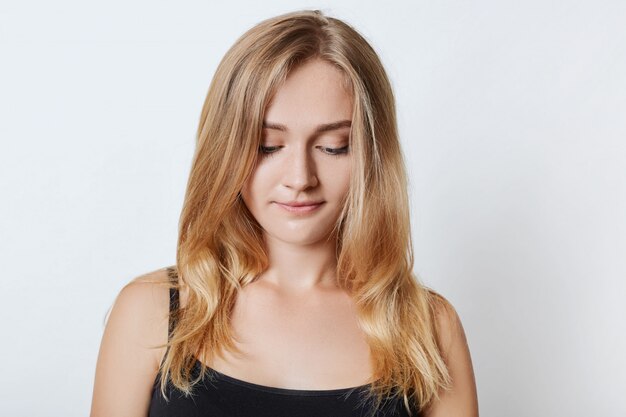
point(300, 207)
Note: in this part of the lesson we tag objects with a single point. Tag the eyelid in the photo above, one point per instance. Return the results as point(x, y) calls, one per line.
point(340, 150)
point(270, 150)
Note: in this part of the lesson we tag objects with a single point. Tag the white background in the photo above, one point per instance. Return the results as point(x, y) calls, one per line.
point(512, 116)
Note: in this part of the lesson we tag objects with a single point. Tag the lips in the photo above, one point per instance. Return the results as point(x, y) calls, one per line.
point(300, 203)
point(300, 207)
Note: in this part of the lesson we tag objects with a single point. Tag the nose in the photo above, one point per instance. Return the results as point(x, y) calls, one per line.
point(299, 169)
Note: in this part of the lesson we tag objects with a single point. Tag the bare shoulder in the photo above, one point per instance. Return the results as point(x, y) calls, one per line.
point(461, 399)
point(448, 323)
point(142, 306)
point(132, 345)
point(151, 286)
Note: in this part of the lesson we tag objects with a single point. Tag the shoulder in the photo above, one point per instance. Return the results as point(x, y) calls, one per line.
point(140, 311)
point(133, 343)
point(447, 323)
point(146, 293)
point(461, 399)
point(154, 283)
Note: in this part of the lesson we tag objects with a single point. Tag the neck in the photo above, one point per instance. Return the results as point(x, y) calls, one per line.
point(300, 267)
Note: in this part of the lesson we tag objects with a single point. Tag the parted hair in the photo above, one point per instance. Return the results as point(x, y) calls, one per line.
point(220, 247)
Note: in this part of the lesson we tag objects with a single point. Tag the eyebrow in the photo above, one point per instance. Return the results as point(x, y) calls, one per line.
point(326, 127)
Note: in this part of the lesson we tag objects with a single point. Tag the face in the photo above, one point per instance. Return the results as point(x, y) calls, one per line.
point(304, 157)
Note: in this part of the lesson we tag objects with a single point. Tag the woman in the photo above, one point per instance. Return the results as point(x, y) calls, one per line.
point(293, 292)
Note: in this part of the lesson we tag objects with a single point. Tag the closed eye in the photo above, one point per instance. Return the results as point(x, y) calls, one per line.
point(336, 151)
point(268, 150)
point(271, 150)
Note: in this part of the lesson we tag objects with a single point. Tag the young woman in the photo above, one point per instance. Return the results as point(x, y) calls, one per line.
point(293, 292)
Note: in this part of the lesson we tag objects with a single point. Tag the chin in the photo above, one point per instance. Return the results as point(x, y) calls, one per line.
point(301, 238)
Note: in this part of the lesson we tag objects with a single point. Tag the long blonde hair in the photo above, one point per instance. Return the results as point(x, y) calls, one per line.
point(220, 245)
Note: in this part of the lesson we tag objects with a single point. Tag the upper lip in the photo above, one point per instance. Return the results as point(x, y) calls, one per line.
point(300, 203)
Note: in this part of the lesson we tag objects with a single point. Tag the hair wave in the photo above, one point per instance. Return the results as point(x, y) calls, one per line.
point(220, 246)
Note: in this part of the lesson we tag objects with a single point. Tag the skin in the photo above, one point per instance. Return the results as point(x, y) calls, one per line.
point(304, 165)
point(285, 319)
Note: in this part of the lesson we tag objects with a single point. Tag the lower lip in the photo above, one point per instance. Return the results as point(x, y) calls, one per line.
point(300, 209)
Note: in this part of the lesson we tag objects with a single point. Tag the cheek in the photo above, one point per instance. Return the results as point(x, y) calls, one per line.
point(338, 178)
point(345, 188)
point(251, 191)
point(246, 193)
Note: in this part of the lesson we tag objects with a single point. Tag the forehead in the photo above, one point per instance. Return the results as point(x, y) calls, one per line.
point(314, 92)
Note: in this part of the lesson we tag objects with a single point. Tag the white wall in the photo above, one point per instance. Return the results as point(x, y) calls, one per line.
point(512, 122)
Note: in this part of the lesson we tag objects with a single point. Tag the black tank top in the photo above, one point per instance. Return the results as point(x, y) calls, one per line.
point(225, 396)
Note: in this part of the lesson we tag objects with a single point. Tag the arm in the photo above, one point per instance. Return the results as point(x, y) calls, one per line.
point(127, 366)
point(461, 400)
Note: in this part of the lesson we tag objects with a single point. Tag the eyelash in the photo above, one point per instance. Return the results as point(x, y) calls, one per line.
point(268, 151)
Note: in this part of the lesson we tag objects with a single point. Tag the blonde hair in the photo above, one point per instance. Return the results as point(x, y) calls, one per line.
point(220, 245)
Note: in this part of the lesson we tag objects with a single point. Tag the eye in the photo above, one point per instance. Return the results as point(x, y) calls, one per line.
point(336, 151)
point(268, 150)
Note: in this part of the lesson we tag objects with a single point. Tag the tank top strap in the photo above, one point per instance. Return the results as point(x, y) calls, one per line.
point(174, 301)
